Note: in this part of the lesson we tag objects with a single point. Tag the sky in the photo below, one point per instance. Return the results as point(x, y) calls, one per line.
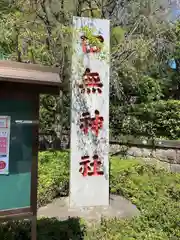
point(175, 13)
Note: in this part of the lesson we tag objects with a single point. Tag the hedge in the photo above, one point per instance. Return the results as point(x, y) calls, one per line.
point(53, 172)
point(158, 119)
point(155, 192)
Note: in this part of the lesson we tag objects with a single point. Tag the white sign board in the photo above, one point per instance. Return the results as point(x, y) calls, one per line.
point(4, 144)
point(89, 171)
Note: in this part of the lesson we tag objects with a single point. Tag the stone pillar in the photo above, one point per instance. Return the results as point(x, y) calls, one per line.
point(89, 169)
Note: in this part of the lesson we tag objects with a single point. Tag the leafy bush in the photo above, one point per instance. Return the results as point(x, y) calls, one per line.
point(154, 119)
point(48, 229)
point(53, 174)
point(155, 192)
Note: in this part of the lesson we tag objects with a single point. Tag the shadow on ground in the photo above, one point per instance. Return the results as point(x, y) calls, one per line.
point(47, 229)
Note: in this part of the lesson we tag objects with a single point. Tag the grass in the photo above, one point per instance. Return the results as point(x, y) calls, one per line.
point(155, 192)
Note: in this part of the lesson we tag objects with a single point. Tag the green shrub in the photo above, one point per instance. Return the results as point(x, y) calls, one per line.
point(155, 192)
point(53, 172)
point(155, 119)
point(48, 229)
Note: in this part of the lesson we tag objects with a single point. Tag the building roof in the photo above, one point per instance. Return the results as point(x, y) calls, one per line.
point(28, 73)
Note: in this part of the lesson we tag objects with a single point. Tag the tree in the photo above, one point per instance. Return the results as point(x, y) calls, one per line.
point(142, 42)
point(33, 32)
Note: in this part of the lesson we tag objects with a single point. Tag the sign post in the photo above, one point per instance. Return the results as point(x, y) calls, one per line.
point(89, 174)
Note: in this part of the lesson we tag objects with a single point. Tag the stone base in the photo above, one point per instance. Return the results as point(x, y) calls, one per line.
point(119, 208)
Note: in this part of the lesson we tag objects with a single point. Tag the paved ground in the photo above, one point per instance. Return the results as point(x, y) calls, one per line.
point(119, 208)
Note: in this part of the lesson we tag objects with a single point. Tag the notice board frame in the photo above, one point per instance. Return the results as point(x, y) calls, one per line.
point(26, 93)
point(22, 80)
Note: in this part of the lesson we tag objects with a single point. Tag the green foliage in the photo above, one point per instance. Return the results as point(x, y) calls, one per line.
point(140, 73)
point(149, 41)
point(177, 52)
point(49, 114)
point(3, 56)
point(48, 229)
point(30, 32)
point(53, 175)
point(149, 89)
point(155, 119)
point(141, 45)
point(150, 189)
point(117, 35)
point(155, 192)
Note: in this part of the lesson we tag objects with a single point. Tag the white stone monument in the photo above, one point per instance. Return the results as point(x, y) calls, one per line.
point(89, 170)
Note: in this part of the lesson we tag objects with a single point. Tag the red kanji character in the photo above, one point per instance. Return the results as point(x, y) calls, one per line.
point(87, 48)
point(97, 167)
point(91, 80)
point(89, 168)
point(85, 122)
point(85, 168)
point(97, 123)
